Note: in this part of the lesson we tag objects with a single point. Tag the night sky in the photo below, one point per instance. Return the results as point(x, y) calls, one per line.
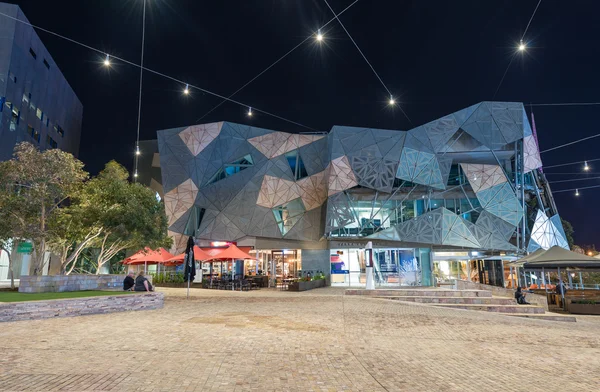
point(435, 56)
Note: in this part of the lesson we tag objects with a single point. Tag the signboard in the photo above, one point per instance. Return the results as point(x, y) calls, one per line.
point(25, 247)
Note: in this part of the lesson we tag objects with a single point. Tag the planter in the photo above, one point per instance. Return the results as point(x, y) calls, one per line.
point(584, 308)
point(303, 286)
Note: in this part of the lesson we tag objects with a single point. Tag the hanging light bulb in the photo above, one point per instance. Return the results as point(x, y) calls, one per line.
point(249, 112)
point(522, 46)
point(392, 100)
point(137, 150)
point(107, 61)
point(576, 192)
point(187, 89)
point(586, 166)
point(319, 35)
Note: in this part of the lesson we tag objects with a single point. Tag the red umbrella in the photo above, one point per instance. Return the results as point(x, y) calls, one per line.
point(199, 255)
point(148, 256)
point(232, 253)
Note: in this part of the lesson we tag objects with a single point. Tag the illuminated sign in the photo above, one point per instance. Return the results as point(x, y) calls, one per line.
point(220, 244)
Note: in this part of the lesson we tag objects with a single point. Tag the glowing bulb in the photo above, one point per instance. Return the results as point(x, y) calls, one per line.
point(135, 174)
point(137, 151)
point(590, 253)
point(392, 101)
point(187, 89)
point(586, 167)
point(576, 192)
point(249, 112)
point(319, 35)
point(107, 61)
point(522, 46)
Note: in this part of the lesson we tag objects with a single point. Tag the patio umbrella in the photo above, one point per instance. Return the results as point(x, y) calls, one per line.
point(190, 263)
point(232, 253)
point(148, 256)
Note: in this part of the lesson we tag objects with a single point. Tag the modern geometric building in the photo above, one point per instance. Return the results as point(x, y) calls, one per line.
point(37, 105)
point(449, 198)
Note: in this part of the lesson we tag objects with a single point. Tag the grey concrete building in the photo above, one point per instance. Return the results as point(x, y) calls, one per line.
point(37, 103)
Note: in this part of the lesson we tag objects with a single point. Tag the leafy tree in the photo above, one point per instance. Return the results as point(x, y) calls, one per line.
point(33, 186)
point(6, 230)
point(568, 228)
point(109, 215)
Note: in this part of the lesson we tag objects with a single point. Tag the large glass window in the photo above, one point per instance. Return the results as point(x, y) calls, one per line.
point(296, 164)
point(14, 121)
point(232, 168)
point(194, 221)
point(288, 214)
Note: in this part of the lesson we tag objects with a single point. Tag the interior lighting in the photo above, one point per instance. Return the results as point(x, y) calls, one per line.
point(576, 192)
point(319, 35)
point(522, 46)
point(187, 89)
point(586, 167)
point(107, 61)
point(249, 112)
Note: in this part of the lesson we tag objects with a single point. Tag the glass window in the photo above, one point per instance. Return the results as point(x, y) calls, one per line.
point(436, 203)
point(59, 130)
point(288, 214)
point(296, 164)
point(32, 53)
point(231, 168)
point(14, 120)
point(194, 221)
point(451, 205)
point(39, 113)
point(31, 105)
point(419, 207)
point(2, 99)
point(454, 177)
point(47, 121)
point(408, 210)
point(35, 135)
point(25, 98)
point(51, 142)
point(46, 64)
point(12, 77)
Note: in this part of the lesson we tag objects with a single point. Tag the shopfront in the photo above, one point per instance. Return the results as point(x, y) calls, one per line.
point(392, 267)
point(279, 265)
point(448, 266)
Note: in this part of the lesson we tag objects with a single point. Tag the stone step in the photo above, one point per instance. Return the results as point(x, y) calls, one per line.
point(411, 292)
point(455, 300)
point(547, 317)
point(517, 309)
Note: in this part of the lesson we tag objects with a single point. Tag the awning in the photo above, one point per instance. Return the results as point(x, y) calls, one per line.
point(529, 257)
point(556, 257)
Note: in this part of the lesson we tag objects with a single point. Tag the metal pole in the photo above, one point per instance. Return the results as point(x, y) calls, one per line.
point(562, 291)
point(581, 281)
point(544, 280)
point(232, 275)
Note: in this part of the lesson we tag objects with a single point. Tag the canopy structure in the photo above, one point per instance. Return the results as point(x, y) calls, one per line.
point(148, 256)
point(529, 257)
point(199, 255)
point(557, 257)
point(232, 253)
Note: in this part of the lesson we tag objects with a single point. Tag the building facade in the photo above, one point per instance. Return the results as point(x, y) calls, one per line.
point(38, 105)
point(448, 199)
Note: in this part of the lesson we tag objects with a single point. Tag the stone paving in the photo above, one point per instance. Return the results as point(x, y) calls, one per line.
point(311, 341)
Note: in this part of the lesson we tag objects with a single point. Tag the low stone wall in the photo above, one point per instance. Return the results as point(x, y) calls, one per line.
point(35, 310)
point(534, 299)
point(61, 283)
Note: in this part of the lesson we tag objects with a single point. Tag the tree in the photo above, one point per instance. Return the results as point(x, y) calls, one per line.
point(34, 186)
point(568, 228)
point(6, 229)
point(110, 215)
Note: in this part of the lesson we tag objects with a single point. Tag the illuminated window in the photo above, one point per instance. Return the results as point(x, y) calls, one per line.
point(288, 214)
point(35, 135)
point(39, 113)
point(296, 164)
point(229, 169)
point(25, 98)
point(14, 121)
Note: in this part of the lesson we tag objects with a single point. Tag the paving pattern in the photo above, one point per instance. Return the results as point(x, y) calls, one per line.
point(313, 341)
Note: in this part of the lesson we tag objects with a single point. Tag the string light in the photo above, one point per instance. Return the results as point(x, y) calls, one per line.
point(586, 167)
point(319, 35)
point(249, 112)
point(187, 89)
point(107, 61)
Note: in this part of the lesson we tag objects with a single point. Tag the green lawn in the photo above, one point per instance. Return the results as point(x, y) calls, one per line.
point(20, 297)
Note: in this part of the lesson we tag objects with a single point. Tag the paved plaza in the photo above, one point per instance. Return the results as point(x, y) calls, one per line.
point(313, 341)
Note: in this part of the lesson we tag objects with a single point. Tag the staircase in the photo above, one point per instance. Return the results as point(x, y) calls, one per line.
point(481, 300)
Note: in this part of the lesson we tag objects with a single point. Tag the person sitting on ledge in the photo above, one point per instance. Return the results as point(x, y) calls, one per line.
point(142, 284)
point(520, 297)
point(128, 282)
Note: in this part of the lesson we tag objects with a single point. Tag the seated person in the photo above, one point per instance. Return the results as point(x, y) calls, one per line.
point(520, 297)
point(142, 284)
point(128, 282)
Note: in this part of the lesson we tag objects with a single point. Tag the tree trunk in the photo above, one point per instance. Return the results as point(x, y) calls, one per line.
point(10, 267)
